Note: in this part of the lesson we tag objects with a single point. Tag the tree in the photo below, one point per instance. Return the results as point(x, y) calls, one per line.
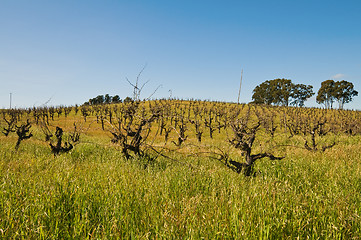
point(116, 99)
point(107, 98)
point(281, 91)
point(128, 100)
point(275, 92)
point(326, 93)
point(300, 93)
point(331, 91)
point(101, 99)
point(261, 94)
point(344, 92)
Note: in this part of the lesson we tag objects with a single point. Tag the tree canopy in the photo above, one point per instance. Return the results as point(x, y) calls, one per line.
point(344, 92)
point(300, 93)
point(331, 91)
point(326, 93)
point(282, 92)
point(101, 99)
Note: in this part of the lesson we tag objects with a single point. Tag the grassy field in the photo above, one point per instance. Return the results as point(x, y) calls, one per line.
point(94, 192)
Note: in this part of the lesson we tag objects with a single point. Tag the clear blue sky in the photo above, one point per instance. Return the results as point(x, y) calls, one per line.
point(69, 51)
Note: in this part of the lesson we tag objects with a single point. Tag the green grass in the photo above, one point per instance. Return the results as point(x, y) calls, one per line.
point(93, 192)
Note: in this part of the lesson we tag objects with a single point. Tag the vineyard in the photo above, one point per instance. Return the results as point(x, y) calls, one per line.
point(179, 169)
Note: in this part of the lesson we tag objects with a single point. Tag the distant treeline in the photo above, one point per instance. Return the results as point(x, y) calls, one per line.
point(278, 92)
point(106, 99)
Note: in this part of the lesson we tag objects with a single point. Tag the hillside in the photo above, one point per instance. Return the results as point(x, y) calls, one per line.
point(178, 169)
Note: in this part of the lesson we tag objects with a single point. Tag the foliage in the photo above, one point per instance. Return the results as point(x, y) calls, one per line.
point(344, 92)
point(300, 93)
point(281, 92)
point(331, 91)
point(326, 94)
point(128, 100)
point(101, 99)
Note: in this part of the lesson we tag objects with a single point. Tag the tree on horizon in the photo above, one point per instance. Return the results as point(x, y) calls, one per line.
point(281, 92)
point(331, 91)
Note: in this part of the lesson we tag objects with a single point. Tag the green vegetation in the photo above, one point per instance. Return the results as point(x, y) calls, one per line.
point(282, 92)
point(178, 183)
point(340, 91)
point(101, 99)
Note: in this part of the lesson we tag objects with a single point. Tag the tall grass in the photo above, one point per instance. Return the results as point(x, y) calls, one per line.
point(93, 192)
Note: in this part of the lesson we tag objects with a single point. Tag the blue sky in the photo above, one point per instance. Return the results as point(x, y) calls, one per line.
point(69, 51)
